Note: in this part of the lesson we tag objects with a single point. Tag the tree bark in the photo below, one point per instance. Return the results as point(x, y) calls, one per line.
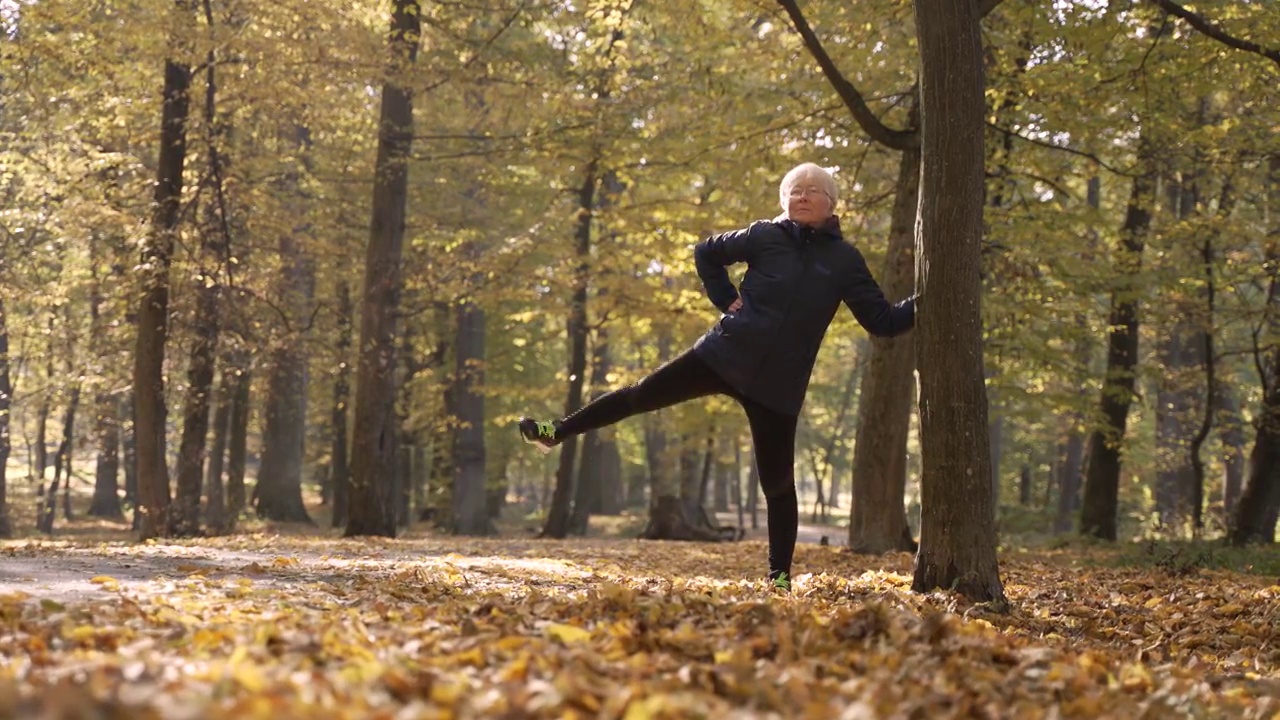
point(1099, 511)
point(957, 536)
point(340, 468)
point(1178, 400)
point(106, 476)
point(153, 312)
point(6, 402)
point(237, 437)
point(106, 406)
point(195, 422)
point(61, 462)
point(470, 501)
point(1069, 480)
point(1231, 435)
point(279, 488)
point(558, 515)
point(200, 370)
point(1254, 519)
point(372, 510)
point(877, 519)
point(215, 514)
point(590, 490)
point(668, 516)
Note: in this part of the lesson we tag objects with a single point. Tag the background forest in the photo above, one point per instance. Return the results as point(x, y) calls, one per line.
point(209, 209)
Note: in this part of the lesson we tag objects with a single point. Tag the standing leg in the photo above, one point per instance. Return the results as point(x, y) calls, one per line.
point(774, 436)
point(683, 378)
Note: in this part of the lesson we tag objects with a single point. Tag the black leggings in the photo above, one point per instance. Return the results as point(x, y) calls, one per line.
point(773, 434)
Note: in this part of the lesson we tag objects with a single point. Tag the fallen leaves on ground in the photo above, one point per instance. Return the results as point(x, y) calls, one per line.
point(273, 627)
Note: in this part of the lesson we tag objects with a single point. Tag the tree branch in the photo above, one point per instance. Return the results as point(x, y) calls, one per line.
point(1043, 143)
point(878, 131)
point(1212, 30)
point(986, 6)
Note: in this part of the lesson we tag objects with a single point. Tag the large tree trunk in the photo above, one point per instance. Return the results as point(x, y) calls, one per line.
point(668, 519)
point(340, 468)
point(279, 487)
point(877, 519)
point(557, 525)
point(1098, 514)
point(106, 476)
point(6, 402)
point(470, 506)
point(1254, 519)
point(372, 510)
point(153, 312)
point(957, 535)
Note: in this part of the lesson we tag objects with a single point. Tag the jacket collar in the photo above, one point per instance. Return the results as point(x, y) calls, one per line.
point(828, 230)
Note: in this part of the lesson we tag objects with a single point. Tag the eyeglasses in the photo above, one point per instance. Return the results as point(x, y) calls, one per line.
point(799, 192)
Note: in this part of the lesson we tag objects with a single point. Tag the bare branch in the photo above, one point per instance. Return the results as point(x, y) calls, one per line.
point(1200, 23)
point(1045, 144)
point(878, 131)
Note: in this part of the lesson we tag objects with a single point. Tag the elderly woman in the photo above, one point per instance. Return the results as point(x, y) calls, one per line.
point(762, 350)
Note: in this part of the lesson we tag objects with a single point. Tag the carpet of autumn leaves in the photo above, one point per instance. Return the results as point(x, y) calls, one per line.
point(293, 627)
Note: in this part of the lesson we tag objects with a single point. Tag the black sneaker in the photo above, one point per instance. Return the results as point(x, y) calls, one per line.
point(544, 434)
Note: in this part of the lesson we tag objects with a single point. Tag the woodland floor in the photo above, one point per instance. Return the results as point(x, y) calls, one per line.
point(294, 622)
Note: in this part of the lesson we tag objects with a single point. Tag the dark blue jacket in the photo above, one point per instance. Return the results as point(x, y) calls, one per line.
point(796, 279)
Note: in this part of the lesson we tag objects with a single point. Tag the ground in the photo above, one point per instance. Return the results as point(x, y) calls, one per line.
point(289, 621)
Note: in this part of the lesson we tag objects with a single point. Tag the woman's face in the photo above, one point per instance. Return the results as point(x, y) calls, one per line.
point(807, 202)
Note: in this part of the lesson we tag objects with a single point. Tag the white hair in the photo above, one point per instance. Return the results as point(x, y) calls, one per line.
point(808, 172)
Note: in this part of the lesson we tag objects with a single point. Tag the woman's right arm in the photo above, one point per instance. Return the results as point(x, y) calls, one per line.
point(713, 255)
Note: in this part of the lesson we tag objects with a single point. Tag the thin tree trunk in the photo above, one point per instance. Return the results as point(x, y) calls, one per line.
point(42, 413)
point(720, 489)
point(1225, 206)
point(153, 312)
point(237, 437)
point(558, 515)
point(470, 502)
point(200, 372)
point(1069, 480)
point(1098, 514)
point(372, 509)
point(753, 491)
point(106, 433)
point(6, 402)
point(195, 422)
point(1231, 434)
point(340, 468)
point(129, 449)
point(877, 516)
point(61, 460)
point(590, 490)
point(957, 536)
point(215, 514)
